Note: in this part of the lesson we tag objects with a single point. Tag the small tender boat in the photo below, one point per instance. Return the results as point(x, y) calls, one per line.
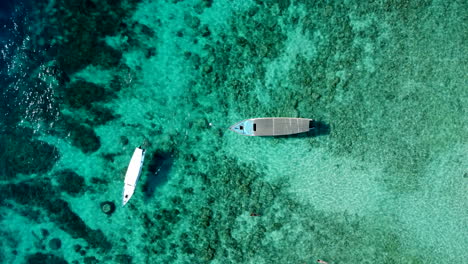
point(273, 126)
point(133, 174)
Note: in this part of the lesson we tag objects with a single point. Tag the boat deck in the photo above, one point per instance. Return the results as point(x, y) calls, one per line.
point(280, 126)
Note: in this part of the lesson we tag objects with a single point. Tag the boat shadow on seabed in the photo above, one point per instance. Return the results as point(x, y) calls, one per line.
point(320, 128)
point(158, 172)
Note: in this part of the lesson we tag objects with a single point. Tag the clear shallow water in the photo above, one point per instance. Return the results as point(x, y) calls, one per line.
point(382, 181)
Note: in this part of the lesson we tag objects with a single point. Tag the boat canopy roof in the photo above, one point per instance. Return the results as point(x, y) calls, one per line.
point(272, 126)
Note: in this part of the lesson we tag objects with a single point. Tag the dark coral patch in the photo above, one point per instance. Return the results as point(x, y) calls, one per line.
point(91, 260)
point(41, 258)
point(70, 222)
point(123, 259)
point(83, 94)
point(55, 243)
point(86, 139)
point(27, 156)
point(79, 34)
point(83, 136)
point(100, 115)
point(70, 182)
point(41, 193)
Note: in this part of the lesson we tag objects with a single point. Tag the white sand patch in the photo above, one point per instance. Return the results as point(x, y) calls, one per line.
point(328, 183)
point(437, 216)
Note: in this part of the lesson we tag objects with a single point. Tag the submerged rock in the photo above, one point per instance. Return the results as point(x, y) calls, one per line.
point(191, 21)
point(108, 207)
point(124, 140)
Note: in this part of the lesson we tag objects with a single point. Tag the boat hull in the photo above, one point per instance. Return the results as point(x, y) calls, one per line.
point(273, 126)
point(133, 174)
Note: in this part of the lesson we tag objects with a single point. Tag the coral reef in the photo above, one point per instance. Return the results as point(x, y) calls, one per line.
point(70, 182)
point(254, 38)
point(41, 193)
point(82, 136)
point(239, 215)
point(332, 61)
point(41, 258)
point(90, 260)
point(99, 115)
point(70, 222)
point(75, 32)
point(84, 94)
point(25, 155)
point(123, 259)
point(55, 244)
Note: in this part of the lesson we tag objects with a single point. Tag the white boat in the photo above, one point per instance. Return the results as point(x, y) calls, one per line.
point(133, 174)
point(273, 126)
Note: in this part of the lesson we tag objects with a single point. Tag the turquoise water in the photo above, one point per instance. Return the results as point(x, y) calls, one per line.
point(382, 180)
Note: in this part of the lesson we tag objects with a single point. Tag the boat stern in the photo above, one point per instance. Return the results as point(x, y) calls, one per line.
point(127, 193)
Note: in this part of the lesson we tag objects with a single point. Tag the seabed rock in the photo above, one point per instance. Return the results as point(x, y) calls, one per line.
point(108, 207)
